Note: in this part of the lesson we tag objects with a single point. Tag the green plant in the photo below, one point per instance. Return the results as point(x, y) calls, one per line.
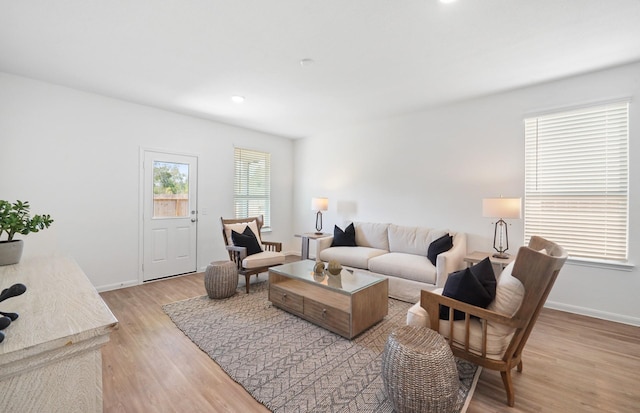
point(15, 219)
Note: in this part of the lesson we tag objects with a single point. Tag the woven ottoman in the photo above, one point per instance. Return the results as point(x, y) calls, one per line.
point(419, 372)
point(221, 279)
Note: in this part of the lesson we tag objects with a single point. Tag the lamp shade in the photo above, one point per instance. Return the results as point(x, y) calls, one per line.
point(319, 204)
point(502, 207)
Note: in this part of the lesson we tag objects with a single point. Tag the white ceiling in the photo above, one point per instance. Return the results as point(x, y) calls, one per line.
point(373, 58)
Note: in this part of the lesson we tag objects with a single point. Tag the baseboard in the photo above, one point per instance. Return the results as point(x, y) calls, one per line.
point(604, 315)
point(116, 286)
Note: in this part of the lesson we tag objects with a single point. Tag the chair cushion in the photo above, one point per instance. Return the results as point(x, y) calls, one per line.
point(351, 256)
point(407, 266)
point(263, 259)
point(346, 238)
point(239, 228)
point(475, 285)
point(247, 239)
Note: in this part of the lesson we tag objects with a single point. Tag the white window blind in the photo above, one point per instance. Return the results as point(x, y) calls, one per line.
point(252, 185)
point(576, 180)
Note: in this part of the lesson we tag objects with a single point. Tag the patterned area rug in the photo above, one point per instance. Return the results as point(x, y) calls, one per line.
point(291, 365)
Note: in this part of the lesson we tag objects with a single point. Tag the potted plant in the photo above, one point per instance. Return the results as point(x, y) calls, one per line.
point(16, 219)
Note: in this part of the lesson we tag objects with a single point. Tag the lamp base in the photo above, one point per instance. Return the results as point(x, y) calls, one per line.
point(501, 255)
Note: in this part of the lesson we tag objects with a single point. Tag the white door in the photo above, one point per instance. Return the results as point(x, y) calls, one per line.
point(170, 218)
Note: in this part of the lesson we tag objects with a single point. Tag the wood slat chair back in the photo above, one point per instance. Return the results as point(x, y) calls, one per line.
point(536, 266)
point(238, 254)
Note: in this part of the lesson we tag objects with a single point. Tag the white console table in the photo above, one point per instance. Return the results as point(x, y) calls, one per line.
point(50, 359)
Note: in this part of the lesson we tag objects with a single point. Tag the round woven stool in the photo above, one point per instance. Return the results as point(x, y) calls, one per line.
point(221, 279)
point(419, 372)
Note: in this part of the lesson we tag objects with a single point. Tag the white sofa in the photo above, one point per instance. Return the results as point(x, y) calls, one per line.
point(400, 254)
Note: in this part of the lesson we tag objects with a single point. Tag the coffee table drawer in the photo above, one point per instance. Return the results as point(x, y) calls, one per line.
point(286, 299)
point(327, 316)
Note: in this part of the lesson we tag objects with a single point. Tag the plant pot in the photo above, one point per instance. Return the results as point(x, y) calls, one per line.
point(10, 251)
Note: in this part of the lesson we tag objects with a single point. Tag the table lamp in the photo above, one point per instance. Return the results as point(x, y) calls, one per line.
point(501, 208)
point(319, 204)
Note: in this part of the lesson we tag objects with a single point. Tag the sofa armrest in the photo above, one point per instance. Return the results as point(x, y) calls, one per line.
point(452, 260)
point(323, 244)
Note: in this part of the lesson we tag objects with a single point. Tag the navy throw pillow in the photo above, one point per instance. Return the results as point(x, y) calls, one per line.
point(442, 244)
point(346, 238)
point(247, 239)
point(475, 286)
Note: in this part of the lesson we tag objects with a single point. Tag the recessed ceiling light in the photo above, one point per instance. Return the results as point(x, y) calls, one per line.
point(237, 99)
point(306, 62)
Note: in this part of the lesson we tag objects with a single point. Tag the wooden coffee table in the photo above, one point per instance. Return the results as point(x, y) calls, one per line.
point(347, 304)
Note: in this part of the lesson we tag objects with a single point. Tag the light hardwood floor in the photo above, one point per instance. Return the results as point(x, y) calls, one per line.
point(571, 363)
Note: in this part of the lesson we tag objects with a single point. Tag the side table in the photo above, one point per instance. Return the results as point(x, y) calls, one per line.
point(221, 279)
point(477, 256)
point(419, 371)
point(305, 242)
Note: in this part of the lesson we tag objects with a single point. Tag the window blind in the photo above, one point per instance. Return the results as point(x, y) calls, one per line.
point(252, 184)
point(576, 180)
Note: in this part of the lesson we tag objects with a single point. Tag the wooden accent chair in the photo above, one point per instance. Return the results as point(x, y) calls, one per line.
point(536, 266)
point(249, 265)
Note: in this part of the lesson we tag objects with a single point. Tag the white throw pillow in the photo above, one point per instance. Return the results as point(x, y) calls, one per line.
point(239, 228)
point(509, 295)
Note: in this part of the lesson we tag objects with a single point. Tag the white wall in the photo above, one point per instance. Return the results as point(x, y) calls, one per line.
point(75, 155)
point(433, 168)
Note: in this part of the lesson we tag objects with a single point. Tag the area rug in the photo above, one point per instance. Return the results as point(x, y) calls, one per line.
point(291, 365)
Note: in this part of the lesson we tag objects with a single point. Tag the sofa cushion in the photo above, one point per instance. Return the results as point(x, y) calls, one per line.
point(248, 240)
point(407, 266)
point(346, 238)
point(442, 244)
point(351, 256)
point(372, 235)
point(475, 286)
point(263, 259)
point(412, 240)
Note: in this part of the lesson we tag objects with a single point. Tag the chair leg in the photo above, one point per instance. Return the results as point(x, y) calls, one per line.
point(508, 386)
point(520, 367)
point(246, 278)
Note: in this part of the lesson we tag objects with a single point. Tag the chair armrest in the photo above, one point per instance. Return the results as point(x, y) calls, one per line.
point(272, 246)
point(237, 254)
point(452, 260)
point(323, 244)
point(431, 302)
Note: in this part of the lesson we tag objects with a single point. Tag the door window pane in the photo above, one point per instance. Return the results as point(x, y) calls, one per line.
point(170, 189)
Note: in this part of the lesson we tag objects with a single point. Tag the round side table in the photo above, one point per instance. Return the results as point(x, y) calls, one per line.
point(221, 279)
point(419, 371)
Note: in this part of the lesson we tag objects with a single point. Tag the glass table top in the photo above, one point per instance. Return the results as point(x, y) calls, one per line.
point(348, 281)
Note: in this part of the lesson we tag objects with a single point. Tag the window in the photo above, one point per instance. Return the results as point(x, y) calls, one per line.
point(576, 180)
point(252, 185)
point(170, 189)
